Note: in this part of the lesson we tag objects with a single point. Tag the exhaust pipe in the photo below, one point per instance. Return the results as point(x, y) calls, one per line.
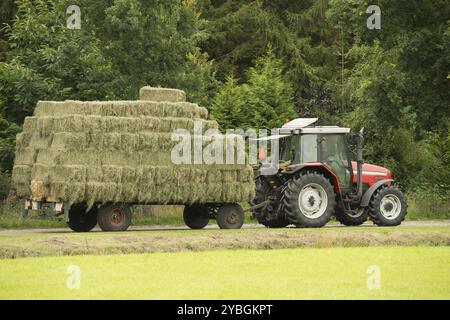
point(359, 163)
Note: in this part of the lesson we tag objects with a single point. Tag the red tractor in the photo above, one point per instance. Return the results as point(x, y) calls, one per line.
point(312, 178)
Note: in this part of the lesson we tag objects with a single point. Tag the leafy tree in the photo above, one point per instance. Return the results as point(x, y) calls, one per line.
point(121, 46)
point(8, 133)
point(265, 101)
point(395, 84)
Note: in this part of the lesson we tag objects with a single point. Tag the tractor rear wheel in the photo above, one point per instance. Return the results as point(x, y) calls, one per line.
point(309, 200)
point(230, 216)
point(196, 216)
point(114, 217)
point(388, 207)
point(352, 219)
point(262, 192)
point(81, 220)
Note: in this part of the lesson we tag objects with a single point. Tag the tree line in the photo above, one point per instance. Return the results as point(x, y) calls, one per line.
point(252, 63)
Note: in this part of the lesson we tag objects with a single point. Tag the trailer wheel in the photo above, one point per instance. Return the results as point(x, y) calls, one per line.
point(114, 217)
point(230, 216)
point(80, 220)
point(196, 216)
point(388, 207)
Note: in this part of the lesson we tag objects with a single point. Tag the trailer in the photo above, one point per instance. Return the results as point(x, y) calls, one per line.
point(90, 161)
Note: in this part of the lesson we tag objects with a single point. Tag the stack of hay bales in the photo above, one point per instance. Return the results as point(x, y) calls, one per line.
point(120, 151)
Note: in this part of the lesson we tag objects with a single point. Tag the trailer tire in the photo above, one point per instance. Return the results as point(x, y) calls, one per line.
point(230, 216)
point(80, 220)
point(196, 216)
point(114, 217)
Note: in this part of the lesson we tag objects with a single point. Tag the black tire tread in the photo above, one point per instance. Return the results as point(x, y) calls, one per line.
point(261, 188)
point(374, 212)
point(80, 223)
point(103, 220)
point(290, 201)
point(222, 215)
point(347, 220)
point(196, 216)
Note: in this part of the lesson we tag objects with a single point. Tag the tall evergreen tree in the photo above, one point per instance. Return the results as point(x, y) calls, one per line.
point(264, 101)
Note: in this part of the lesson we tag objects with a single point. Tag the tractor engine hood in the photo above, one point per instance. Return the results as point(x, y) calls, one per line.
point(370, 173)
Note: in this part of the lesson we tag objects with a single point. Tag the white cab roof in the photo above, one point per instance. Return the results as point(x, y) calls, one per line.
point(299, 123)
point(302, 125)
point(325, 129)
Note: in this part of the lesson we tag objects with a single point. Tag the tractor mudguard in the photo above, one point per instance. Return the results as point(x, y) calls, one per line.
point(314, 165)
point(368, 194)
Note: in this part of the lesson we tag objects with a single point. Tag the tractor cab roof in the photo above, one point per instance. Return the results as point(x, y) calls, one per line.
point(303, 126)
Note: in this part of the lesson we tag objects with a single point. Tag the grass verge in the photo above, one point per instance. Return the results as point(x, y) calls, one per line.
point(61, 244)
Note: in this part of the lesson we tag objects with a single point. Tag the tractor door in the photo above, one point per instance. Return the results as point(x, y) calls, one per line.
point(334, 154)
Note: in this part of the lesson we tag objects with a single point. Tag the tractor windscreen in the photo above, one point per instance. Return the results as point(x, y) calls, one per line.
point(299, 148)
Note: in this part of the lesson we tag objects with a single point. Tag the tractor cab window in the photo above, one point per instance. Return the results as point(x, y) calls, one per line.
point(299, 148)
point(333, 153)
point(308, 149)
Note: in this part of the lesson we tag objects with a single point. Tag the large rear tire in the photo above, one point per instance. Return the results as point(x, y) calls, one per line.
point(388, 207)
point(352, 219)
point(262, 191)
point(196, 216)
point(114, 217)
point(81, 220)
point(309, 200)
point(230, 216)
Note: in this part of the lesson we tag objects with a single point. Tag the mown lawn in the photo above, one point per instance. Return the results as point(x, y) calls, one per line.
point(327, 273)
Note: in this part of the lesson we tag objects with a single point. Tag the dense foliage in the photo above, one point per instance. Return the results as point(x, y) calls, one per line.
point(253, 63)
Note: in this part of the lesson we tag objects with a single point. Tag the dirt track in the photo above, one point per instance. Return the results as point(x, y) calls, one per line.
point(425, 223)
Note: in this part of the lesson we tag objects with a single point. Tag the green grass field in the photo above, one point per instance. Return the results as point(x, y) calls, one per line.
point(328, 273)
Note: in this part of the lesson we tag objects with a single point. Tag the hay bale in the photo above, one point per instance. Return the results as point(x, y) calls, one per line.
point(161, 94)
point(121, 109)
point(23, 140)
point(45, 126)
point(25, 156)
point(39, 190)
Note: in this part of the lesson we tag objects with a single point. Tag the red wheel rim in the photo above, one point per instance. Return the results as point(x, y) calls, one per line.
point(117, 217)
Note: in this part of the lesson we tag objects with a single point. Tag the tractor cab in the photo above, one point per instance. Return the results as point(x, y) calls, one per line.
point(312, 175)
point(326, 146)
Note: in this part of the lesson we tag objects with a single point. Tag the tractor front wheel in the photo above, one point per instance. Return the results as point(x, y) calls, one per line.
point(309, 200)
point(81, 220)
point(230, 216)
point(114, 217)
point(388, 207)
point(196, 216)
